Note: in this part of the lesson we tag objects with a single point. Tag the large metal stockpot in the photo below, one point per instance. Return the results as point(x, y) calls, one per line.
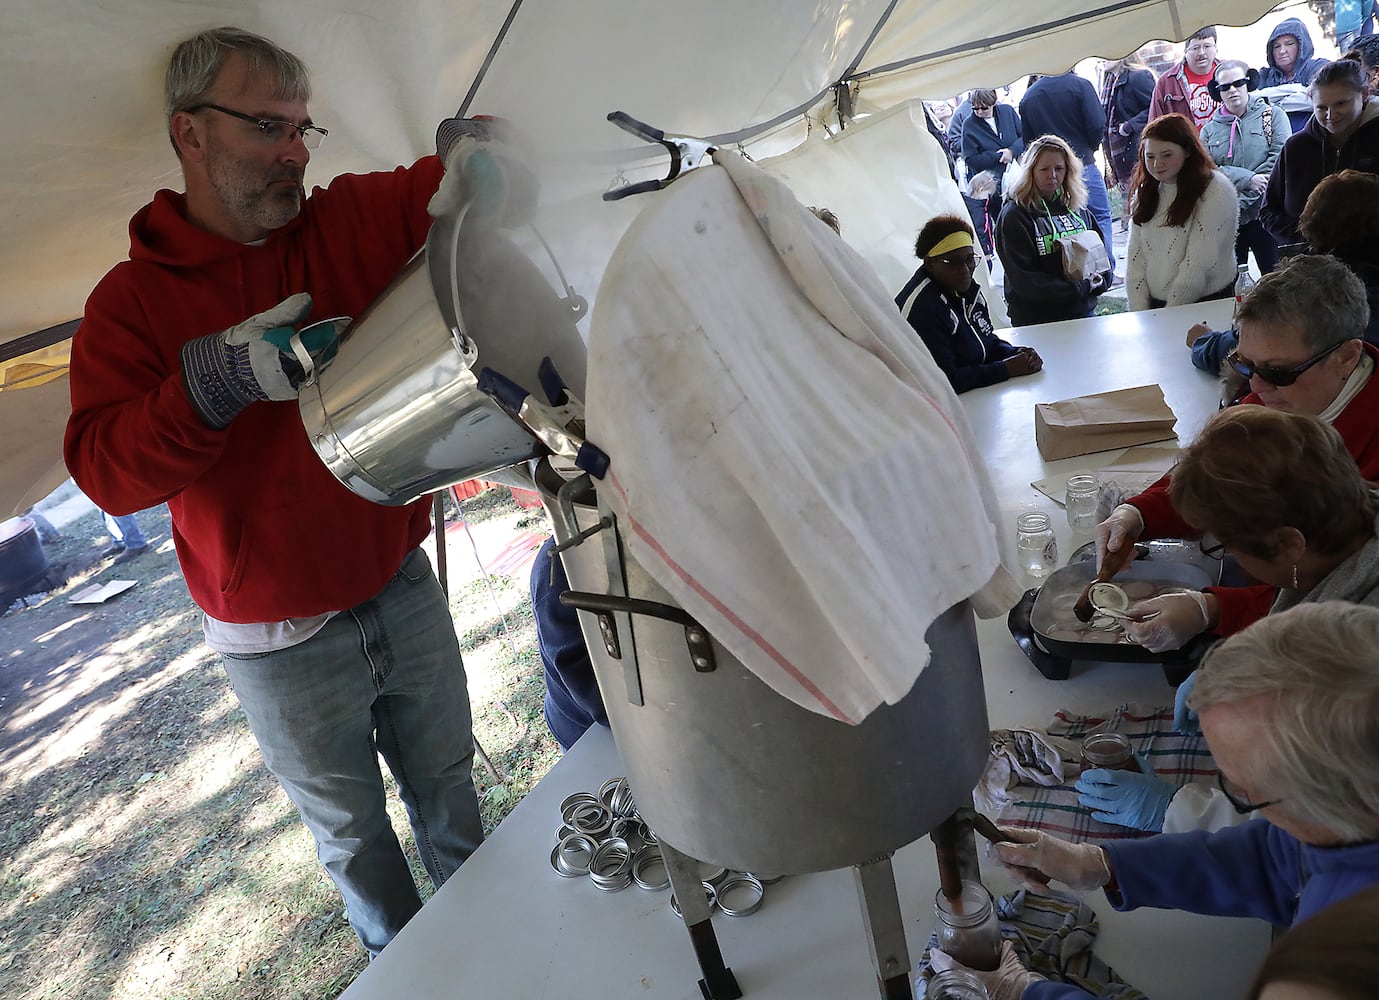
point(729, 771)
point(398, 413)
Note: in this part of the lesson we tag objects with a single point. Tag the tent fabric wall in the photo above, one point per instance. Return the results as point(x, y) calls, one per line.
point(884, 178)
point(86, 144)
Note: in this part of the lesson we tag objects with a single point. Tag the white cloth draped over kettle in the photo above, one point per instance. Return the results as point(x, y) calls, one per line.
point(786, 459)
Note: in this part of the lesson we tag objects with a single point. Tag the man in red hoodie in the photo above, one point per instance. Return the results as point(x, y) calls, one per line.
point(1185, 89)
point(331, 625)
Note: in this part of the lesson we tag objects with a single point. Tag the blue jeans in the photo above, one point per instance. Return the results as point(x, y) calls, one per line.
point(384, 677)
point(1099, 204)
point(125, 530)
point(573, 702)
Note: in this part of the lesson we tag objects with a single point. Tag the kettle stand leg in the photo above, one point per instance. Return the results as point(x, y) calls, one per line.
point(718, 983)
point(885, 927)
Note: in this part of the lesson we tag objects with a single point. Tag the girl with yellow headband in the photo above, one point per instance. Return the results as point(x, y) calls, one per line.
point(948, 311)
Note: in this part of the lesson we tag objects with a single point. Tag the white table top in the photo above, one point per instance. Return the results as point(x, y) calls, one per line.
point(506, 926)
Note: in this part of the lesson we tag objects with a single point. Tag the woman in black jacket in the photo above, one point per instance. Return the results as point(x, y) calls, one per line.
point(1343, 133)
point(1048, 203)
point(991, 141)
point(1126, 89)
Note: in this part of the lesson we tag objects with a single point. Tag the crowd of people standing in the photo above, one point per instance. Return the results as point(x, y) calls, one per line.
point(1213, 165)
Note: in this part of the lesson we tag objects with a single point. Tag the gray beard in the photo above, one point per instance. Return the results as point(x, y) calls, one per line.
point(249, 199)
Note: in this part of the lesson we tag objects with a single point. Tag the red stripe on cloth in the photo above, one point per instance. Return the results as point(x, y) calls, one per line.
point(755, 637)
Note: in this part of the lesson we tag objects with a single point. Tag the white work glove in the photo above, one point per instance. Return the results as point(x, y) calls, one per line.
point(1007, 982)
point(225, 372)
point(1181, 617)
point(1116, 537)
point(484, 169)
point(1081, 867)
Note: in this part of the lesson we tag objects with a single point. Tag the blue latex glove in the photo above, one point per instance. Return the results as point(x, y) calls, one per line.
point(1184, 718)
point(1126, 798)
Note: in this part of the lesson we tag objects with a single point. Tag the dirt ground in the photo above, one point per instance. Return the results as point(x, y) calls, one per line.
point(144, 849)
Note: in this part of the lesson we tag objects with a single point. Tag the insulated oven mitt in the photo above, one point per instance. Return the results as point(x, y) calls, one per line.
point(225, 372)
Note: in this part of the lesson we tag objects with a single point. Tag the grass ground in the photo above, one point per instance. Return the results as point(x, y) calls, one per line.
point(144, 850)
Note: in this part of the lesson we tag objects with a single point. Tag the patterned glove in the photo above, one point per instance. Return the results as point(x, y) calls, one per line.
point(1126, 798)
point(225, 372)
point(485, 169)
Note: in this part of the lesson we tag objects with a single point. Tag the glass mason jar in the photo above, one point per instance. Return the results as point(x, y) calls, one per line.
point(1035, 541)
point(1108, 749)
point(955, 985)
point(967, 927)
point(1080, 501)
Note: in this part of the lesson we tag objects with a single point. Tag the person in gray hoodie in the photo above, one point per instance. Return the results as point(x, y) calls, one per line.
point(1290, 56)
point(1244, 136)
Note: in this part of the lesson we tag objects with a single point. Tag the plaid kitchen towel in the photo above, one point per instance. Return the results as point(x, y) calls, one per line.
point(1176, 757)
point(1052, 932)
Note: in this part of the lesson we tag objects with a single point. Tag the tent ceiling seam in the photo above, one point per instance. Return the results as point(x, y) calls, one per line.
point(488, 59)
point(997, 40)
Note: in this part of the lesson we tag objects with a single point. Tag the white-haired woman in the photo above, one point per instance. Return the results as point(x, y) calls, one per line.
point(1047, 203)
point(1292, 751)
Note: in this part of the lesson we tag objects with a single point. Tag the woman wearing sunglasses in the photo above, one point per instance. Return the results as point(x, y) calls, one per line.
point(1301, 350)
point(1301, 761)
point(1313, 536)
point(948, 311)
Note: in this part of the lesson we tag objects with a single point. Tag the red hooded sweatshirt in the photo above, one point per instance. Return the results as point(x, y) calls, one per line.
point(1358, 425)
point(263, 531)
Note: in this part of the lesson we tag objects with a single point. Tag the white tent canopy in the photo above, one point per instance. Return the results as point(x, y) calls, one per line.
point(86, 143)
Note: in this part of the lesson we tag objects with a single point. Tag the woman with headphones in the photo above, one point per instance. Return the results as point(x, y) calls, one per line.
point(1244, 136)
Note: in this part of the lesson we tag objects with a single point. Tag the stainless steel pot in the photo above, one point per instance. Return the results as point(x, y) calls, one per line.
point(732, 773)
point(399, 414)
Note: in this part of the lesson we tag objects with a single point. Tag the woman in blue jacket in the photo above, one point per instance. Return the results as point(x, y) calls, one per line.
point(948, 311)
point(1288, 749)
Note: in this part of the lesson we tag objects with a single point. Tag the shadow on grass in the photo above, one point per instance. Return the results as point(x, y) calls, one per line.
point(144, 849)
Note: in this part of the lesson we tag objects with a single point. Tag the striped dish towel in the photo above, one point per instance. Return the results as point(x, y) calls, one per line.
point(1053, 932)
point(1177, 757)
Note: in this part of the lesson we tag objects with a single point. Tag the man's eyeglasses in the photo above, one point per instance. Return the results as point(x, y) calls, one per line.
point(1242, 82)
point(983, 107)
point(1242, 806)
point(1277, 377)
point(277, 133)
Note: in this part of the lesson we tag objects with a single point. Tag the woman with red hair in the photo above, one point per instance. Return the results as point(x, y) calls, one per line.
point(1184, 216)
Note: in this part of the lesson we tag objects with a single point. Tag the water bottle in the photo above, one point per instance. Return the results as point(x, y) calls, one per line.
point(1243, 284)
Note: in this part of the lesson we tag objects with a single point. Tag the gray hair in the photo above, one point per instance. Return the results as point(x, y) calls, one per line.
point(1318, 664)
point(1316, 293)
point(196, 63)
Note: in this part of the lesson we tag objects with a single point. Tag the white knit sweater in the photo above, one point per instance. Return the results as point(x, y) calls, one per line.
point(1180, 264)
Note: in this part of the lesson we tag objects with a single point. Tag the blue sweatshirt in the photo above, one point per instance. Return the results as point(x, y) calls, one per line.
point(1251, 870)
